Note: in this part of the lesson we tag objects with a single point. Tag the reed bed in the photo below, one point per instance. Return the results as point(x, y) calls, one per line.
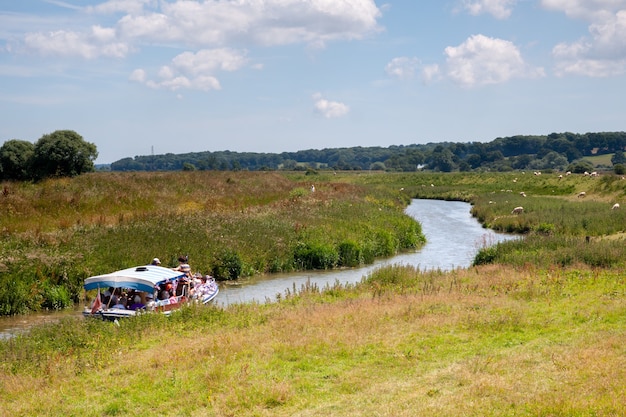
point(231, 225)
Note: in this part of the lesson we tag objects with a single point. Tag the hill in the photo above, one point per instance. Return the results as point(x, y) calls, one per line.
point(556, 151)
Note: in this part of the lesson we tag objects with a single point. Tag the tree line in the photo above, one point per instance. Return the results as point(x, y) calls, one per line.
point(63, 153)
point(66, 153)
point(557, 151)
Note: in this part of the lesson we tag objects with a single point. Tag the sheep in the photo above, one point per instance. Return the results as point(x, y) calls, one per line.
point(615, 206)
point(523, 194)
point(518, 210)
point(582, 194)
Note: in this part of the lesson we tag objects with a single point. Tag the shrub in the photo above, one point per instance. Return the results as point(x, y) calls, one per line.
point(315, 256)
point(227, 266)
point(350, 254)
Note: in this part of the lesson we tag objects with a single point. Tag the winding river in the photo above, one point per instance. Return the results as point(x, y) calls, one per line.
point(453, 239)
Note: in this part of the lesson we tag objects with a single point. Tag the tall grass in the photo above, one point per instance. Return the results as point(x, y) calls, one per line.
point(58, 232)
point(486, 341)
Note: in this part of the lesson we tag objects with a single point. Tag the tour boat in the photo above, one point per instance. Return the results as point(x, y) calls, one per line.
point(147, 288)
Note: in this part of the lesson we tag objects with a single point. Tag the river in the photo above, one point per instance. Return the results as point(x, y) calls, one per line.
point(453, 238)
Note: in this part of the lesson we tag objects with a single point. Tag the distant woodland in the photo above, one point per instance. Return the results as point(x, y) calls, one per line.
point(556, 151)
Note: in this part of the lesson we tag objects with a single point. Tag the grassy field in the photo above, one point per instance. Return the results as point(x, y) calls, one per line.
point(535, 328)
point(488, 341)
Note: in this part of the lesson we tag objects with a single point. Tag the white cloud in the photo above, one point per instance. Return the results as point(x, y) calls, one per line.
point(121, 6)
point(482, 60)
point(402, 68)
point(329, 109)
point(208, 28)
point(271, 22)
point(603, 52)
point(194, 71)
point(138, 75)
point(500, 9)
point(431, 73)
point(210, 60)
point(99, 42)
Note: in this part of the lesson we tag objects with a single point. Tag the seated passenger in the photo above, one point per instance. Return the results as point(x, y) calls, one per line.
point(118, 302)
point(137, 304)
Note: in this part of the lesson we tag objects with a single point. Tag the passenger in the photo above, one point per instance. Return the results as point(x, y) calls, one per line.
point(137, 304)
point(183, 266)
point(183, 283)
point(149, 300)
point(118, 302)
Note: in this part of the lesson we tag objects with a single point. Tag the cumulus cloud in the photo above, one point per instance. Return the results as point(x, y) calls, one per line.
point(482, 60)
point(207, 28)
point(98, 42)
point(402, 68)
point(500, 9)
point(603, 52)
point(329, 109)
point(193, 71)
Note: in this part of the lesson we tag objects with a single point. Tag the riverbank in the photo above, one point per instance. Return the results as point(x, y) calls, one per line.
point(486, 341)
point(230, 224)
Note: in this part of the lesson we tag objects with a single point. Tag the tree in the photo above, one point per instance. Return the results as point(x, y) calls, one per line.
point(618, 158)
point(15, 157)
point(63, 153)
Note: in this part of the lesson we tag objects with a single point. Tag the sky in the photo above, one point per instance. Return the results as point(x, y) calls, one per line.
point(142, 77)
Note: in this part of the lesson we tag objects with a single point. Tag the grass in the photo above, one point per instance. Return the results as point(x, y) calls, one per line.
point(487, 341)
point(534, 329)
point(230, 224)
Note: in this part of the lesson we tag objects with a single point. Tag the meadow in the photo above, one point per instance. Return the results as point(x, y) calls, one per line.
point(527, 331)
point(58, 232)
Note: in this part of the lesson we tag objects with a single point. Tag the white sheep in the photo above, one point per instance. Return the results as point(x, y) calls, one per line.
point(582, 194)
point(518, 210)
point(615, 206)
point(523, 194)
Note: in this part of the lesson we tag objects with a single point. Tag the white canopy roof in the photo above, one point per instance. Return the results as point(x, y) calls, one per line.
point(140, 278)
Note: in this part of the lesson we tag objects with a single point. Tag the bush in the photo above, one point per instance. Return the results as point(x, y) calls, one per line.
point(227, 266)
point(350, 254)
point(315, 256)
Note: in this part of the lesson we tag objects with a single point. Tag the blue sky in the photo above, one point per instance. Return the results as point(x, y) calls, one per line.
point(176, 76)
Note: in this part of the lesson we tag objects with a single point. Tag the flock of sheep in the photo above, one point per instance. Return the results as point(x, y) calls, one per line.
point(582, 194)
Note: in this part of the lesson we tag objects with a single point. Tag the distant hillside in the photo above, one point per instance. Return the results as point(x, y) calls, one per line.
point(558, 151)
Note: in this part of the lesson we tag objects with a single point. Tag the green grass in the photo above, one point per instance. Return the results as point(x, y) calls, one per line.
point(490, 341)
point(537, 329)
point(59, 232)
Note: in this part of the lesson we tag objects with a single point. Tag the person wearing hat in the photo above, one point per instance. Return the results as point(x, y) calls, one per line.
point(156, 262)
point(183, 283)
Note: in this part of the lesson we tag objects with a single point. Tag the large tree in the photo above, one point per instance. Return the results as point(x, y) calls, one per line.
point(15, 157)
point(63, 153)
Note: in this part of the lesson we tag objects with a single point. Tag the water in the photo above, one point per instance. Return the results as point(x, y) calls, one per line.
point(453, 239)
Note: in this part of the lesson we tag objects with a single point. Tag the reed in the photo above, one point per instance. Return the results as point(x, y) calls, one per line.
point(58, 232)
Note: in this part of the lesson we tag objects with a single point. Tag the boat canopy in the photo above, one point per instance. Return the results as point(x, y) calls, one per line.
point(140, 278)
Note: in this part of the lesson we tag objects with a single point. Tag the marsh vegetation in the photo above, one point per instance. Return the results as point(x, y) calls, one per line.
point(534, 328)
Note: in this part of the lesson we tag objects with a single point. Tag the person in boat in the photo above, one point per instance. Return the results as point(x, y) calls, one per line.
point(137, 304)
point(182, 288)
point(119, 302)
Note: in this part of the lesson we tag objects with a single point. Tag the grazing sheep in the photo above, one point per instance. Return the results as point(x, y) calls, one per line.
point(615, 206)
point(518, 210)
point(582, 194)
point(523, 194)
